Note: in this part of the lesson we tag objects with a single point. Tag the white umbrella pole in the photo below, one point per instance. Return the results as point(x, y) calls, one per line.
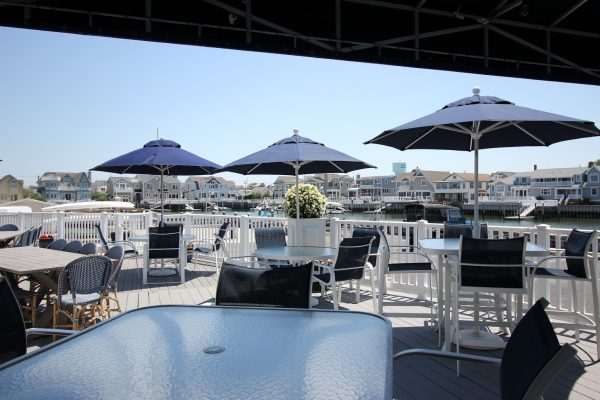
point(296, 168)
point(476, 136)
point(160, 192)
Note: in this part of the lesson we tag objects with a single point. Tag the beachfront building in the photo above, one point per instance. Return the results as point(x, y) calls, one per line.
point(419, 183)
point(459, 188)
point(336, 185)
point(151, 190)
point(209, 188)
point(590, 190)
point(99, 186)
point(11, 188)
point(281, 185)
point(65, 187)
point(376, 187)
point(124, 188)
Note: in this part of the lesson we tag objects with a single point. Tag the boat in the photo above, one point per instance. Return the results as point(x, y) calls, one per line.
point(332, 207)
point(91, 206)
point(378, 210)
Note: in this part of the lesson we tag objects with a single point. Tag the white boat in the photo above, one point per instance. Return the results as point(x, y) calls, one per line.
point(332, 207)
point(14, 209)
point(91, 205)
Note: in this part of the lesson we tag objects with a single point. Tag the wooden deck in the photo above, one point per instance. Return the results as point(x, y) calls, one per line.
point(414, 378)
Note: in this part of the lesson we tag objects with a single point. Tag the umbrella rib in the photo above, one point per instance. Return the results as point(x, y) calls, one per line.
point(419, 138)
point(531, 135)
point(578, 127)
point(337, 166)
point(496, 126)
point(253, 168)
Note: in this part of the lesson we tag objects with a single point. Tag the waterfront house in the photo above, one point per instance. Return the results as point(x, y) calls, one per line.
point(65, 186)
point(209, 188)
point(99, 186)
point(336, 185)
point(126, 188)
point(150, 186)
point(281, 185)
point(460, 188)
point(419, 183)
point(11, 188)
point(376, 187)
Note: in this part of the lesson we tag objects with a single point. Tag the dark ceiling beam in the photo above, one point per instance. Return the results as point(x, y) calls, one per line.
point(543, 51)
point(270, 24)
point(567, 13)
point(248, 21)
point(148, 10)
point(408, 38)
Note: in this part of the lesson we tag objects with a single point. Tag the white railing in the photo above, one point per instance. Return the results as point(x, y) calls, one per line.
point(240, 239)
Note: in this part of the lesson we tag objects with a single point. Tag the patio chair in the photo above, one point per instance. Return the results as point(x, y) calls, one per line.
point(12, 329)
point(163, 243)
point(489, 266)
point(259, 286)
point(73, 246)
point(580, 268)
point(457, 230)
point(27, 298)
point(271, 237)
point(531, 361)
point(130, 250)
point(58, 244)
point(116, 254)
point(372, 262)
point(402, 260)
point(81, 290)
point(350, 263)
point(88, 249)
point(208, 247)
point(6, 228)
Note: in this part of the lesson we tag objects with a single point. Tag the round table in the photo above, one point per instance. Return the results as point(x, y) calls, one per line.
point(297, 254)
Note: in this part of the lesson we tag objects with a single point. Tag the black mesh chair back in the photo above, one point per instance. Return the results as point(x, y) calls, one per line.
point(21, 240)
point(270, 237)
point(454, 231)
point(88, 249)
point(369, 232)
point(352, 257)
point(577, 245)
point(264, 287)
point(532, 357)
point(13, 340)
point(9, 227)
point(163, 242)
point(85, 275)
point(116, 254)
point(73, 246)
point(221, 235)
point(505, 258)
point(58, 244)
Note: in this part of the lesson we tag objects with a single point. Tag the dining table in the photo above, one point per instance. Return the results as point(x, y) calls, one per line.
point(297, 254)
point(450, 247)
point(212, 352)
point(7, 236)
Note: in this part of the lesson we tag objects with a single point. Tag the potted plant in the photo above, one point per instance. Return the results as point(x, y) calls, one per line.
point(45, 240)
point(309, 226)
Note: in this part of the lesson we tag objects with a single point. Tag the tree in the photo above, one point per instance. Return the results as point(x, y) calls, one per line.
point(99, 196)
point(31, 194)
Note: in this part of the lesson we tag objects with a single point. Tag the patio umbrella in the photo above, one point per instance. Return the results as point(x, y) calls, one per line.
point(295, 155)
point(482, 122)
point(161, 156)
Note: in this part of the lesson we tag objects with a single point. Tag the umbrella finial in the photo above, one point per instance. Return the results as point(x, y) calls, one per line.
point(296, 132)
point(476, 90)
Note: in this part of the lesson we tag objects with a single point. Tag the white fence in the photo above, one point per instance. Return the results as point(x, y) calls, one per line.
point(240, 240)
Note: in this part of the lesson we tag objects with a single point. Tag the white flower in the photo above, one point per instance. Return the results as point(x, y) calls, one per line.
point(312, 203)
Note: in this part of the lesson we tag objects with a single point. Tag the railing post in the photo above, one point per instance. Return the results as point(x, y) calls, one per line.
point(104, 224)
point(60, 225)
point(334, 232)
point(148, 216)
point(187, 223)
point(22, 221)
point(244, 234)
point(543, 239)
point(119, 227)
point(421, 232)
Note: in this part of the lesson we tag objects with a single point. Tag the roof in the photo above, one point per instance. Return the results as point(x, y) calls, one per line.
point(50, 176)
point(288, 180)
point(526, 39)
point(558, 172)
point(471, 177)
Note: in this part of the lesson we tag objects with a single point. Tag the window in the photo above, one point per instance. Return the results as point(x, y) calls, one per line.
point(546, 192)
point(594, 191)
point(423, 182)
point(594, 178)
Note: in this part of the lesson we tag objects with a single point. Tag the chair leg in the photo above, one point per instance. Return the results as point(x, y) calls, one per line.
point(596, 311)
point(334, 294)
point(575, 309)
point(374, 294)
point(357, 291)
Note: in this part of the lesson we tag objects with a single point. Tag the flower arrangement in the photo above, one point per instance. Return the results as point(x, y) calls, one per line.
point(312, 203)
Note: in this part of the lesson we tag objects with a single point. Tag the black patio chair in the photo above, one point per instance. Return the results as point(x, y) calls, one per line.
point(259, 286)
point(164, 242)
point(208, 247)
point(531, 361)
point(73, 246)
point(271, 237)
point(88, 248)
point(6, 228)
point(130, 250)
point(116, 255)
point(58, 244)
point(350, 263)
point(13, 335)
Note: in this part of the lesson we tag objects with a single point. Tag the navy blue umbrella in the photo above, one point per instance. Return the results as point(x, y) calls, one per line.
point(295, 155)
point(482, 122)
point(161, 156)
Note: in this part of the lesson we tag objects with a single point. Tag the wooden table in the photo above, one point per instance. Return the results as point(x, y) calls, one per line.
point(8, 235)
point(211, 352)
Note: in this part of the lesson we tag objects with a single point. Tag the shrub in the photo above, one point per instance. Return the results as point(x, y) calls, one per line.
point(312, 203)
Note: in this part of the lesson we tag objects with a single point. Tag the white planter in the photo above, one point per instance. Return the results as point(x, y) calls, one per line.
point(311, 232)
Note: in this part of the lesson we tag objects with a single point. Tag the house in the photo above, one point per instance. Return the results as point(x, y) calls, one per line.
point(125, 188)
point(590, 189)
point(459, 188)
point(151, 190)
point(336, 185)
point(65, 186)
point(209, 188)
point(99, 186)
point(376, 187)
point(281, 185)
point(419, 183)
point(11, 189)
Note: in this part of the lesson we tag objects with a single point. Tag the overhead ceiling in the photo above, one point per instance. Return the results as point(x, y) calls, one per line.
point(556, 40)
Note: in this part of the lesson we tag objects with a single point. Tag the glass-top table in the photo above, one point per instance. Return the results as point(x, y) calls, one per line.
point(210, 352)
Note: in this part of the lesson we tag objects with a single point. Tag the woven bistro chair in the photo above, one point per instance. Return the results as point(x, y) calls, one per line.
point(81, 290)
point(116, 254)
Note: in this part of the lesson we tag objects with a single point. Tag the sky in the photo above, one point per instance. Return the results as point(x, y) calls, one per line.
point(70, 102)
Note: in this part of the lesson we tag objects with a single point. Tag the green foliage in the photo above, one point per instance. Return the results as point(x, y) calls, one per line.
point(98, 196)
point(539, 197)
point(30, 194)
point(312, 203)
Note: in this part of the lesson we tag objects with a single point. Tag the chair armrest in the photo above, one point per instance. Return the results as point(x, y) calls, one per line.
point(124, 243)
point(550, 258)
point(416, 251)
point(447, 354)
point(48, 331)
point(206, 242)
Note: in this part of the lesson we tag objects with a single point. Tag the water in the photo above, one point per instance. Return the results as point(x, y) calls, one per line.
point(568, 223)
